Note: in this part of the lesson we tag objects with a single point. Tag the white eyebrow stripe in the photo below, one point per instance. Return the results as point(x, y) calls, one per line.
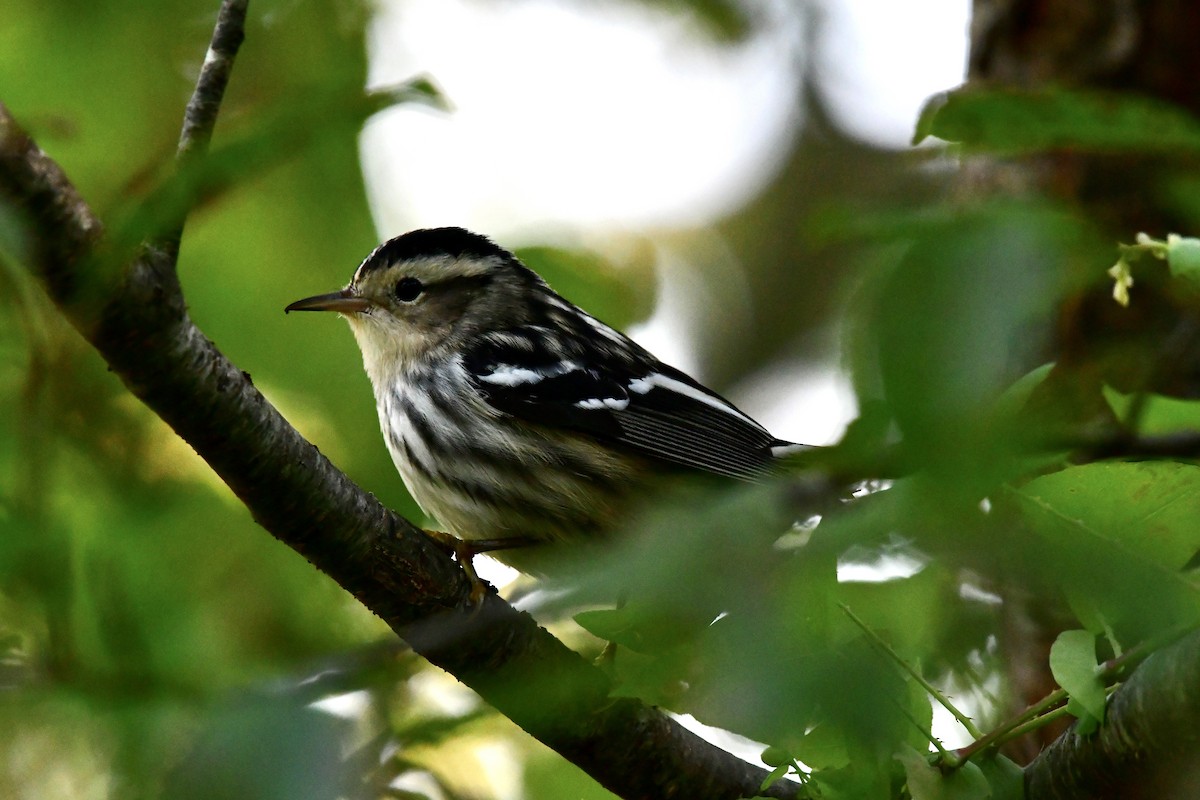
point(656, 380)
point(509, 375)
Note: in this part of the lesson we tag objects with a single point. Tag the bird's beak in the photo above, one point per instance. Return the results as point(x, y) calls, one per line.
point(342, 301)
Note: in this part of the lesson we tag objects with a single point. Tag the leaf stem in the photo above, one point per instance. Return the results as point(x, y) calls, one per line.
point(933, 691)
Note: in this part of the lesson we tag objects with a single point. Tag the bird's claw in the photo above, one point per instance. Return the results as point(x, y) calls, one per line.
point(465, 550)
point(464, 553)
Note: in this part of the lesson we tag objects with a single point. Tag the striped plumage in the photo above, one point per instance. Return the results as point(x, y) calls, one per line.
point(511, 412)
point(485, 481)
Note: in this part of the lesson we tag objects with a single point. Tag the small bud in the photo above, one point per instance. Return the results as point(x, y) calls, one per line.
point(1122, 280)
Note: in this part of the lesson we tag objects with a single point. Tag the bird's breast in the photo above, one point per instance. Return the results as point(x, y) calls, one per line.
point(482, 474)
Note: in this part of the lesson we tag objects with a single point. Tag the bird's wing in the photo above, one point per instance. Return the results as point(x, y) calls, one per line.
point(602, 384)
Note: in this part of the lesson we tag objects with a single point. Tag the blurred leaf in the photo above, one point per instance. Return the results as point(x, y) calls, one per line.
point(927, 121)
point(659, 680)
point(1073, 664)
point(724, 20)
point(776, 757)
point(1183, 256)
point(774, 775)
point(1017, 394)
point(866, 780)
point(1014, 121)
point(822, 747)
point(1158, 415)
point(433, 730)
point(546, 776)
point(927, 782)
point(329, 111)
point(962, 316)
point(616, 625)
point(918, 707)
point(1005, 778)
point(422, 89)
point(262, 750)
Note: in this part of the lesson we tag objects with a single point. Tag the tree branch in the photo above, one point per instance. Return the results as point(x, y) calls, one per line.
point(1147, 745)
point(200, 116)
point(140, 326)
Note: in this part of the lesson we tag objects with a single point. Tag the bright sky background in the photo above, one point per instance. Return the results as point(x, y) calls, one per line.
point(594, 120)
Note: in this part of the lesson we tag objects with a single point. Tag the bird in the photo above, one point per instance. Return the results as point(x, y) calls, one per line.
point(513, 416)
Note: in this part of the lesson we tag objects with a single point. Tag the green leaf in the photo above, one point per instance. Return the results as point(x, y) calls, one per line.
point(1073, 664)
point(777, 773)
point(1017, 394)
point(1159, 415)
point(823, 747)
point(1016, 121)
point(658, 680)
point(863, 781)
point(1005, 778)
point(927, 782)
point(1144, 509)
point(776, 757)
point(422, 90)
point(919, 708)
point(1183, 256)
point(927, 118)
point(723, 20)
point(943, 327)
point(611, 625)
point(1085, 722)
point(1114, 539)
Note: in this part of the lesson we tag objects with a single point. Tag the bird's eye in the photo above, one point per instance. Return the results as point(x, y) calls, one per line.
point(408, 289)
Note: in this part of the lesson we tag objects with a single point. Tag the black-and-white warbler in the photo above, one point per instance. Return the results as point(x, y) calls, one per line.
point(511, 413)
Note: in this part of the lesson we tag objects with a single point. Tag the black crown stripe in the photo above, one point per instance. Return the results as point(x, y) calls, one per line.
point(453, 242)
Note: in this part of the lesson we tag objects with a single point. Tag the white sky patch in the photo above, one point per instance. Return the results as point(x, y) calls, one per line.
point(494, 572)
point(745, 748)
point(969, 591)
point(351, 705)
point(879, 61)
point(810, 406)
point(890, 567)
point(602, 115)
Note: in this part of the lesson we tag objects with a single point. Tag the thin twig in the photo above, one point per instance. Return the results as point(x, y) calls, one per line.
point(200, 117)
point(933, 691)
point(1056, 698)
point(1045, 710)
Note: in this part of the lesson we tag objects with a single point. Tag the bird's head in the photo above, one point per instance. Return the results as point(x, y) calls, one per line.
point(426, 291)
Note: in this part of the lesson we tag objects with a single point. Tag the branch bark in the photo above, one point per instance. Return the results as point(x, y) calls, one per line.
point(1146, 747)
point(139, 324)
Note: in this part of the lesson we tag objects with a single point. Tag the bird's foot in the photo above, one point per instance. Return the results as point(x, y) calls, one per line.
point(465, 550)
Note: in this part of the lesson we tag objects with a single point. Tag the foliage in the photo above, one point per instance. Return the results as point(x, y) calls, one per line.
point(154, 640)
